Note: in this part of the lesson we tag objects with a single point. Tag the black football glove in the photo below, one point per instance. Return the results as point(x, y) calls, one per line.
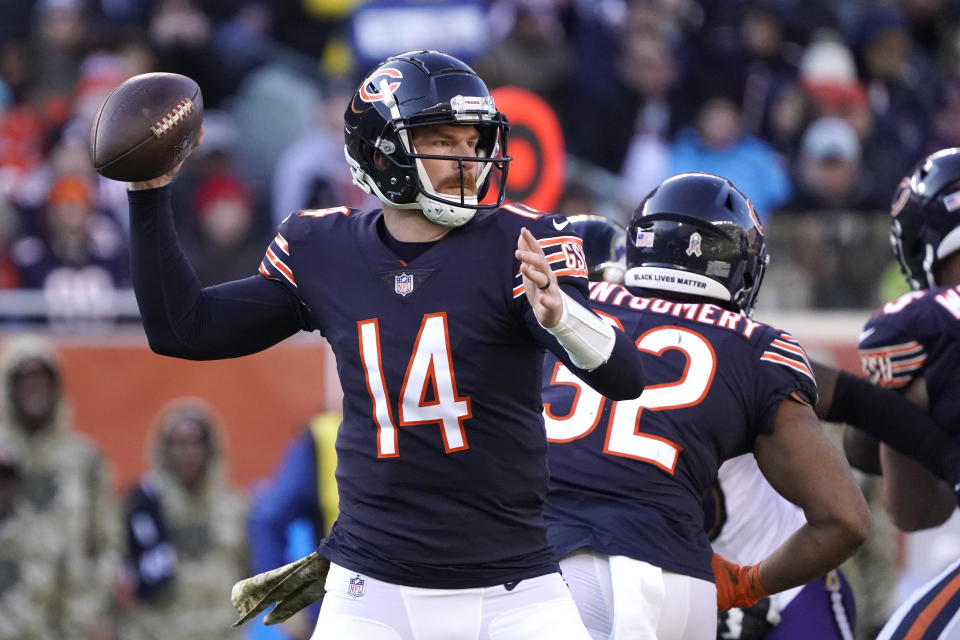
point(753, 623)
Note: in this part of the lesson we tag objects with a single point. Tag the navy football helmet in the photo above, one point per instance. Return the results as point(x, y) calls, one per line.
point(696, 234)
point(925, 217)
point(416, 89)
point(604, 246)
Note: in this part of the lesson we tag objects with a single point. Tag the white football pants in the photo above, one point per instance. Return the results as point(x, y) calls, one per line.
point(620, 598)
point(358, 607)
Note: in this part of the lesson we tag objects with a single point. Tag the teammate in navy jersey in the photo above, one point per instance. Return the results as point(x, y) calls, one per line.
point(624, 509)
point(438, 309)
point(913, 344)
point(746, 519)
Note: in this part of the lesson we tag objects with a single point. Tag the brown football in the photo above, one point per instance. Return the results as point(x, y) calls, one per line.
point(146, 126)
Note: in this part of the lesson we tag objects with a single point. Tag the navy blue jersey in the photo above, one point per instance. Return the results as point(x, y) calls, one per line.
point(918, 335)
point(628, 478)
point(441, 453)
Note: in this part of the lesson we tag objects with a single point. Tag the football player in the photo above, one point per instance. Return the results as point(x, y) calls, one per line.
point(627, 477)
point(438, 309)
point(913, 344)
point(747, 519)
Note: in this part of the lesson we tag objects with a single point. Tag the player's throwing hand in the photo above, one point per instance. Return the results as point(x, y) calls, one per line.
point(166, 178)
point(539, 282)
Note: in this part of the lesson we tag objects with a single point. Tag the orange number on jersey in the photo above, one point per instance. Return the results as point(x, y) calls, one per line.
point(430, 369)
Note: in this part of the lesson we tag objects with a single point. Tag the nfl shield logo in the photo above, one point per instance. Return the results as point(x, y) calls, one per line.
point(356, 586)
point(403, 284)
point(694, 247)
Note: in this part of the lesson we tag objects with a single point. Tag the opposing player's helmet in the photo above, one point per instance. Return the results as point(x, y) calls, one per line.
point(925, 217)
point(604, 246)
point(696, 234)
point(412, 90)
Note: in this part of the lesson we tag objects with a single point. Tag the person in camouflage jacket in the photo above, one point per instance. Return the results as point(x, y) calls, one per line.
point(64, 479)
point(186, 540)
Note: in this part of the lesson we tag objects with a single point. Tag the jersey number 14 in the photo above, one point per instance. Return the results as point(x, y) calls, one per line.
point(430, 371)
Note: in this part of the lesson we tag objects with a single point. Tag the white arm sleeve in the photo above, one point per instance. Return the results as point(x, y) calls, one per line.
point(586, 338)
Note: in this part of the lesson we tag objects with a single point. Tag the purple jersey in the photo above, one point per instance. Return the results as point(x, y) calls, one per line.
point(441, 465)
point(628, 478)
point(918, 335)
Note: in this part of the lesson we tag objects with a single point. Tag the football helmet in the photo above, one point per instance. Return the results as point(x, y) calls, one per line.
point(604, 246)
point(416, 89)
point(925, 217)
point(696, 234)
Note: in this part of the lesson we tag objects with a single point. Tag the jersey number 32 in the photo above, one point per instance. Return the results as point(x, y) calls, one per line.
point(624, 437)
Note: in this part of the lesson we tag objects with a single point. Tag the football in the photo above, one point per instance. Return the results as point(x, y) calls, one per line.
point(146, 126)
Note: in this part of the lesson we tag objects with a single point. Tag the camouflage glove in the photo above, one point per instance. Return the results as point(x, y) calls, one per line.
point(292, 586)
point(752, 623)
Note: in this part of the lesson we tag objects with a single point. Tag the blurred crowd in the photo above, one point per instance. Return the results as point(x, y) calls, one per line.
point(82, 558)
point(812, 108)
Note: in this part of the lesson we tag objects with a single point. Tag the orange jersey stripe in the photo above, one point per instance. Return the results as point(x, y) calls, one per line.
point(265, 273)
point(520, 212)
point(576, 273)
point(932, 610)
point(791, 348)
point(319, 213)
point(281, 267)
point(793, 364)
point(549, 242)
point(914, 363)
point(895, 349)
point(282, 243)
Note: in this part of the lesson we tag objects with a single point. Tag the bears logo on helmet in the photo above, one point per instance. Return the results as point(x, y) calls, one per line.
point(925, 217)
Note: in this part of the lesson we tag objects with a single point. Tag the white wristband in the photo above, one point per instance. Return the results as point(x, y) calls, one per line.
point(587, 339)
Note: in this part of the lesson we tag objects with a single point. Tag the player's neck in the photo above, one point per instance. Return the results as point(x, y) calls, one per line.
point(409, 225)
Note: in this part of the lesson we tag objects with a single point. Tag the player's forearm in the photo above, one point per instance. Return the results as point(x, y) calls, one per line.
point(180, 317)
point(887, 416)
point(810, 553)
point(914, 497)
point(621, 377)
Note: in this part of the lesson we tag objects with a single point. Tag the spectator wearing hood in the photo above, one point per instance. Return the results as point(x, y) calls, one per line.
point(64, 479)
point(185, 532)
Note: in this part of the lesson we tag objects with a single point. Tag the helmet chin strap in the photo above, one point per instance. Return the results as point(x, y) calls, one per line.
point(444, 212)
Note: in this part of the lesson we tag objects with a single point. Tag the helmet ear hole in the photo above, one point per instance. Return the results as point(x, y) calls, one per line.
point(728, 203)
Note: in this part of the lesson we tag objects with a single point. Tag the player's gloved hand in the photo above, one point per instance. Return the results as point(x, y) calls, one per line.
point(752, 623)
point(737, 586)
point(292, 586)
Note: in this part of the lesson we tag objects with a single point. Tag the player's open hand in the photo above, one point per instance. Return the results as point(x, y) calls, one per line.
point(539, 282)
point(166, 178)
